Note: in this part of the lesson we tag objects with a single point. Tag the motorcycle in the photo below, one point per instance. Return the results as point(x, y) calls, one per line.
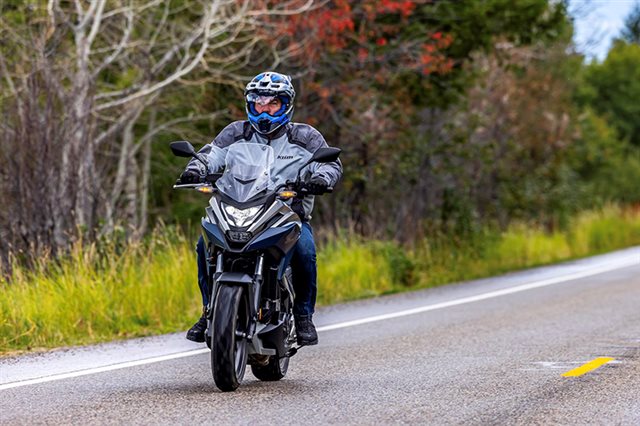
point(248, 229)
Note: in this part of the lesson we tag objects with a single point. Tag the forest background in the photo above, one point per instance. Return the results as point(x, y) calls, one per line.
point(459, 122)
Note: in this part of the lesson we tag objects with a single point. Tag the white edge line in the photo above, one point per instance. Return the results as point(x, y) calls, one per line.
point(624, 262)
point(629, 261)
point(102, 369)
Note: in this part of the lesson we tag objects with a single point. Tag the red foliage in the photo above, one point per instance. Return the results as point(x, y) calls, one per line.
point(433, 58)
point(404, 8)
point(355, 26)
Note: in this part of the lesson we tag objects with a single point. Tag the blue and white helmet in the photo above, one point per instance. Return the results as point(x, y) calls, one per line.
point(275, 85)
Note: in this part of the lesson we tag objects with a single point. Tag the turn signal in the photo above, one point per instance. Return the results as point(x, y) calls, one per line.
point(205, 189)
point(285, 195)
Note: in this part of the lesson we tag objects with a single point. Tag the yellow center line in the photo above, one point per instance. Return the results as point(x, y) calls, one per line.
point(590, 366)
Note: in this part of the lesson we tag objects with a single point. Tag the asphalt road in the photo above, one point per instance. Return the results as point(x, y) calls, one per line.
point(491, 351)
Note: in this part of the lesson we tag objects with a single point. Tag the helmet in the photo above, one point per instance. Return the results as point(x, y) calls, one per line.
point(269, 84)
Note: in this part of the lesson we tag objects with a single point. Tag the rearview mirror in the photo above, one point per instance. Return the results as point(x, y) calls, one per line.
point(325, 155)
point(182, 149)
point(322, 155)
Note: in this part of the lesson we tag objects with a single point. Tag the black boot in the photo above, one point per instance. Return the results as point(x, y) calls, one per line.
point(196, 333)
point(305, 330)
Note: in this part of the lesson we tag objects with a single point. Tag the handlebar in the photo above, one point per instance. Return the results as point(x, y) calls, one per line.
point(195, 186)
point(294, 186)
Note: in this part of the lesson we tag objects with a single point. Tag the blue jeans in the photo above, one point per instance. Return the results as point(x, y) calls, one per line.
point(303, 268)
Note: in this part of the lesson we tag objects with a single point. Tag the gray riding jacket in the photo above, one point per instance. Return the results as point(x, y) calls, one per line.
point(293, 145)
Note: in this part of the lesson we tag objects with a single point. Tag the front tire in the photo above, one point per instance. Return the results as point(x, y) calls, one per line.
point(228, 346)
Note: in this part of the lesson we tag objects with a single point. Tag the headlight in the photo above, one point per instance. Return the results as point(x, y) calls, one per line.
point(241, 217)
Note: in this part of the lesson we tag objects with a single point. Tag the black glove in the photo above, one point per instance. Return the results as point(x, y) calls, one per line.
point(190, 176)
point(316, 186)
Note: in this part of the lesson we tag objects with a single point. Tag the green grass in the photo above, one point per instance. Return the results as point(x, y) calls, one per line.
point(350, 268)
point(92, 297)
point(100, 293)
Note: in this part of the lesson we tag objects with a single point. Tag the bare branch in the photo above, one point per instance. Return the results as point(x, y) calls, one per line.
point(95, 27)
point(7, 76)
point(138, 9)
point(54, 10)
point(79, 9)
point(123, 42)
point(168, 56)
point(95, 9)
point(171, 123)
point(159, 27)
point(183, 70)
point(120, 123)
point(51, 12)
point(282, 11)
point(124, 92)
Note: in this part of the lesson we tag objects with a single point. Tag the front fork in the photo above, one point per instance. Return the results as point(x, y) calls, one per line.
point(253, 292)
point(213, 281)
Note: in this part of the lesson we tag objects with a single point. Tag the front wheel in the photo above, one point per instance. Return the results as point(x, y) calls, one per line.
point(228, 344)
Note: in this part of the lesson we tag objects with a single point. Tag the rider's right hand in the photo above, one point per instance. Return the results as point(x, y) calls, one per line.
point(190, 176)
point(316, 186)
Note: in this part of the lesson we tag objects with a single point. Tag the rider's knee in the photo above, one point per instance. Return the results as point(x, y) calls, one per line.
point(306, 250)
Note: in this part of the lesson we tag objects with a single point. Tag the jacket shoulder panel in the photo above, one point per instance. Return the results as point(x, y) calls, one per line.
point(234, 132)
point(306, 136)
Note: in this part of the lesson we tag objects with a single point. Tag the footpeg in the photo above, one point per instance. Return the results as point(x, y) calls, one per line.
point(291, 352)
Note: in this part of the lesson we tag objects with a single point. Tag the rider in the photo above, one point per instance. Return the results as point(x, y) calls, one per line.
point(269, 100)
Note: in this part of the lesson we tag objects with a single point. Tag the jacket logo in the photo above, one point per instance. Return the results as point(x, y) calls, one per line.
point(285, 157)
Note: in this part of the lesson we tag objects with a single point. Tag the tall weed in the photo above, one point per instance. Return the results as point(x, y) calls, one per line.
point(86, 297)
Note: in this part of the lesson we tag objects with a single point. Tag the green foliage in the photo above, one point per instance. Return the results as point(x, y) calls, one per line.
point(631, 30)
point(614, 89)
point(607, 168)
point(476, 24)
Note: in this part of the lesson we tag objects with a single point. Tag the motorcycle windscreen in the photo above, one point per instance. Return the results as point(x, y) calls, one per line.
point(247, 171)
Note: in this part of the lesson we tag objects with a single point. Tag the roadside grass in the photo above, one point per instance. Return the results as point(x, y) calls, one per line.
point(99, 294)
point(110, 291)
point(390, 268)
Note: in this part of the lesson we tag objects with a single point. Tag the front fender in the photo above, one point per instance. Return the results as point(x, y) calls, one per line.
point(235, 278)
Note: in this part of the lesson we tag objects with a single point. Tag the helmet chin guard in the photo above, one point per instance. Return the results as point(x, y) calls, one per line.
point(269, 84)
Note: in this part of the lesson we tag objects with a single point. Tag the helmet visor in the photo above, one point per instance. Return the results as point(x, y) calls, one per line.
point(260, 99)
